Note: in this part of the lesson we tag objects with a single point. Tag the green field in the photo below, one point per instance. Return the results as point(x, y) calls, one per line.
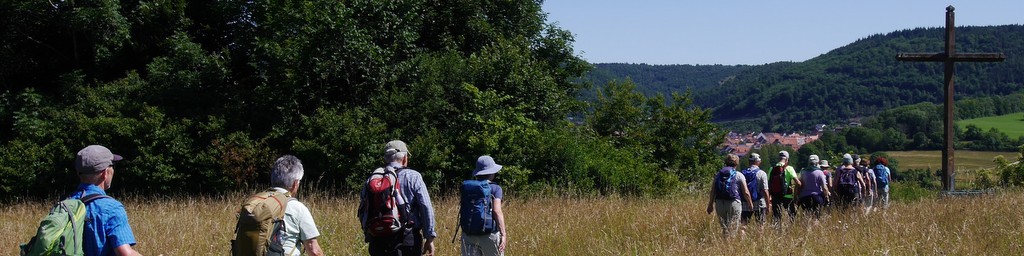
point(1011, 124)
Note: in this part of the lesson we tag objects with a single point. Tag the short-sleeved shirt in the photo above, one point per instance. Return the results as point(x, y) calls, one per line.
point(790, 175)
point(298, 224)
point(737, 181)
point(107, 227)
point(762, 184)
point(813, 182)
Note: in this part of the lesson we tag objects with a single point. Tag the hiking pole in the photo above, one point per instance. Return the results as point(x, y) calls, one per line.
point(457, 226)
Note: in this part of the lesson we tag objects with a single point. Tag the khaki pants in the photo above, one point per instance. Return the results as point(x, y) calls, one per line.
point(478, 245)
point(728, 215)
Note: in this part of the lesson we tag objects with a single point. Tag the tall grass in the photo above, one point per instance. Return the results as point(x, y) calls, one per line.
point(676, 225)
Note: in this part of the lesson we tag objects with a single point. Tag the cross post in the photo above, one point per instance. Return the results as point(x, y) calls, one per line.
point(949, 59)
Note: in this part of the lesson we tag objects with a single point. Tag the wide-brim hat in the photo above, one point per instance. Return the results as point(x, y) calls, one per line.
point(485, 165)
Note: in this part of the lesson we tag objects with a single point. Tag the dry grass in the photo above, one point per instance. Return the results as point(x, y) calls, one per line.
point(989, 225)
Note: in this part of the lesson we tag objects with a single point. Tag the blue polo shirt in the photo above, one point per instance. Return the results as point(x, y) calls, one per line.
point(106, 224)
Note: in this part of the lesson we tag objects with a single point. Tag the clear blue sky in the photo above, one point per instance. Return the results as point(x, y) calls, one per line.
point(750, 32)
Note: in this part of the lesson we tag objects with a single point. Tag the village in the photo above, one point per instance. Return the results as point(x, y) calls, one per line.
point(742, 143)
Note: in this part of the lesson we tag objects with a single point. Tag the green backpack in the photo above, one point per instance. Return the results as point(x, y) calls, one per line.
point(260, 227)
point(61, 231)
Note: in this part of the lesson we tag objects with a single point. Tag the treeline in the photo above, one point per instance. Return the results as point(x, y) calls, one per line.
point(202, 96)
point(653, 80)
point(862, 79)
point(919, 127)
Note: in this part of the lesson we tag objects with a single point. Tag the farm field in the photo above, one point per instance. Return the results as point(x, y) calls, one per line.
point(965, 160)
point(676, 225)
point(1011, 124)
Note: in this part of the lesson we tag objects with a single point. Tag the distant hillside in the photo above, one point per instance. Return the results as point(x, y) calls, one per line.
point(852, 81)
point(660, 79)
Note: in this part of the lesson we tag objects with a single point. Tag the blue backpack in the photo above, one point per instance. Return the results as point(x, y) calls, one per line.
point(752, 185)
point(723, 185)
point(882, 175)
point(475, 212)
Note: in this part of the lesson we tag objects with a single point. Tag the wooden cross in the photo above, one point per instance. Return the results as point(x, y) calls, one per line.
point(949, 58)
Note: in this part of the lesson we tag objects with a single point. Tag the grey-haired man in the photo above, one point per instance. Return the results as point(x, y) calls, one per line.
point(417, 199)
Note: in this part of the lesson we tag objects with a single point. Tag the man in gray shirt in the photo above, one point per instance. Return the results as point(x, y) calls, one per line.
point(757, 184)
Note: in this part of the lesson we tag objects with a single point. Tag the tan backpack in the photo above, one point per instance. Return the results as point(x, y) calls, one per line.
point(260, 225)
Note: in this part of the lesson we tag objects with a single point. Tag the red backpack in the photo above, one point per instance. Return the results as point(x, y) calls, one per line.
point(777, 183)
point(385, 208)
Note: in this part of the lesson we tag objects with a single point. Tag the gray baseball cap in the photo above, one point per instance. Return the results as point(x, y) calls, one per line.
point(396, 146)
point(94, 158)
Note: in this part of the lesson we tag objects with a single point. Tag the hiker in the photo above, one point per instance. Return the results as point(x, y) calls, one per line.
point(868, 191)
point(726, 189)
point(273, 222)
point(813, 192)
point(107, 231)
point(848, 183)
point(882, 179)
point(782, 184)
point(480, 213)
point(826, 169)
point(757, 184)
point(417, 213)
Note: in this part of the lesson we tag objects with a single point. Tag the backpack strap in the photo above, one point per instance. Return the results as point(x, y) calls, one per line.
point(89, 198)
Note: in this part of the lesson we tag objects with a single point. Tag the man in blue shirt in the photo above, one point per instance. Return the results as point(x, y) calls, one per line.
point(414, 192)
point(107, 232)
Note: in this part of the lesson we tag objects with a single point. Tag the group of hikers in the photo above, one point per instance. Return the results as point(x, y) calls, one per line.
point(739, 195)
point(395, 212)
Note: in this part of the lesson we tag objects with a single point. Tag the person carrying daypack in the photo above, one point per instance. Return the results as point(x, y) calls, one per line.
point(481, 216)
point(814, 193)
point(273, 222)
point(847, 186)
point(868, 190)
point(882, 179)
point(98, 223)
point(727, 188)
point(757, 184)
point(782, 181)
point(416, 214)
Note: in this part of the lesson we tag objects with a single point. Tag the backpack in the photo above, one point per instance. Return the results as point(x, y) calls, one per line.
point(882, 175)
point(260, 225)
point(385, 211)
point(752, 185)
point(847, 181)
point(724, 185)
point(62, 230)
point(476, 215)
point(777, 183)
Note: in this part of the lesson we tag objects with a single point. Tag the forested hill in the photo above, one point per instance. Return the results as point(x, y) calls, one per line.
point(660, 79)
point(859, 79)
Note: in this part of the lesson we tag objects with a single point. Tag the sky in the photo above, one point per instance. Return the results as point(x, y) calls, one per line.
point(732, 32)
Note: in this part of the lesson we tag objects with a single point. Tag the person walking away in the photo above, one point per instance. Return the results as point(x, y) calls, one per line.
point(868, 191)
point(481, 216)
point(814, 192)
point(882, 179)
point(726, 190)
point(412, 218)
point(273, 222)
point(757, 184)
point(106, 231)
point(782, 184)
point(827, 170)
point(848, 184)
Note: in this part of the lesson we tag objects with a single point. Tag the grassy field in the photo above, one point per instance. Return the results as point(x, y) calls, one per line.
point(678, 225)
point(964, 159)
point(1011, 124)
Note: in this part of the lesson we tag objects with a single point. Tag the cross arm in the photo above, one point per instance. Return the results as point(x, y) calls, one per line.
point(959, 57)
